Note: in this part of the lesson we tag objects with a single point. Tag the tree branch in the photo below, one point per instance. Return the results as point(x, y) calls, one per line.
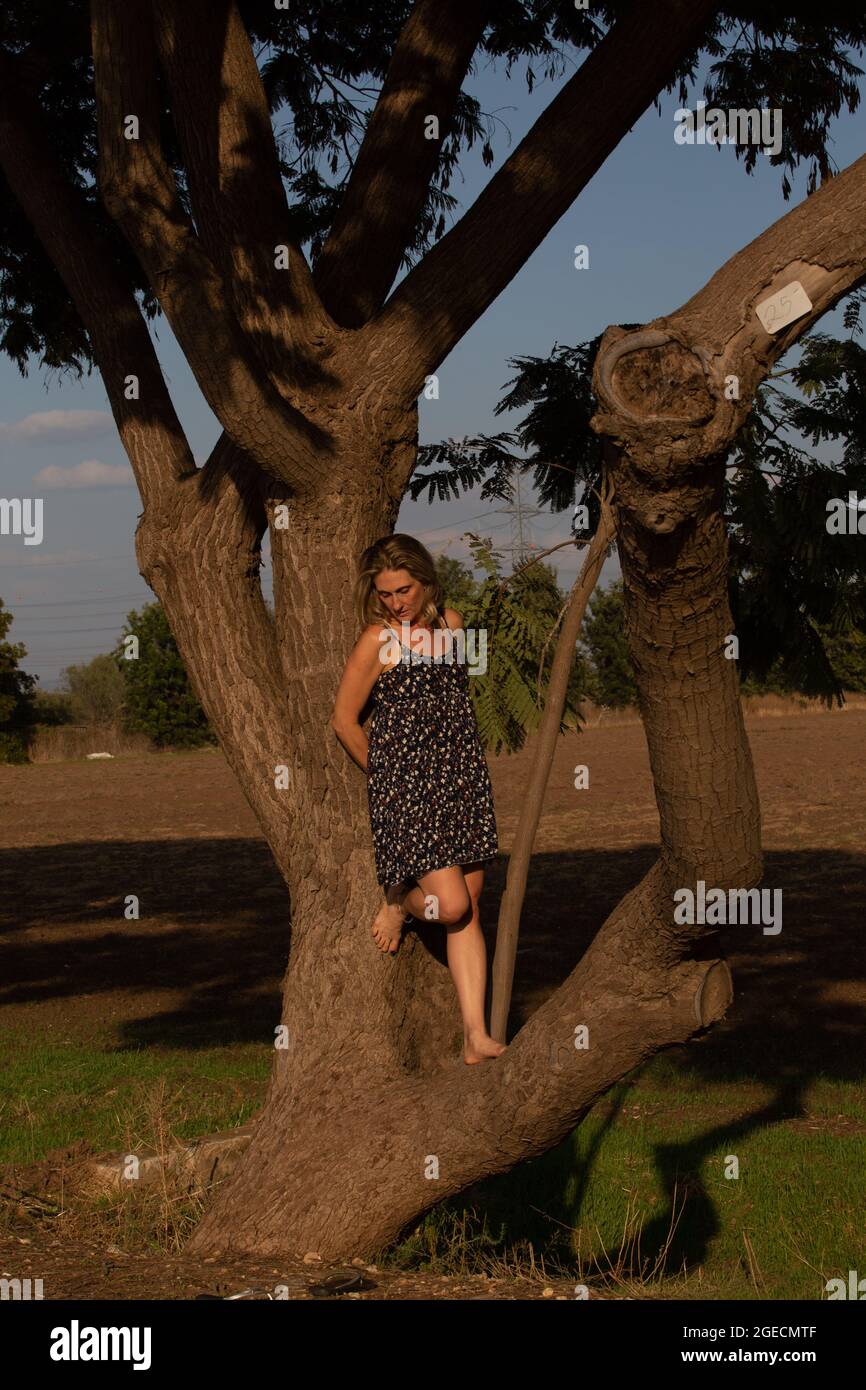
point(514, 1108)
point(202, 562)
point(223, 122)
point(444, 294)
point(139, 191)
point(716, 340)
point(394, 166)
point(672, 396)
point(72, 238)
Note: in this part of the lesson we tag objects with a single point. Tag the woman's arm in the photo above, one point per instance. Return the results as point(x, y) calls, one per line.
point(359, 677)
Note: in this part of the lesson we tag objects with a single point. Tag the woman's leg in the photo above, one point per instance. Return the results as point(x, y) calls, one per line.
point(451, 896)
point(388, 922)
point(467, 961)
point(444, 898)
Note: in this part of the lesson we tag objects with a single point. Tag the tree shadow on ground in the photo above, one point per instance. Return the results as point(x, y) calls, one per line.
point(799, 1012)
point(202, 967)
point(214, 927)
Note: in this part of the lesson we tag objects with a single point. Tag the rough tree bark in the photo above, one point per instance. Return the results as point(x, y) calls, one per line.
point(314, 379)
point(351, 1176)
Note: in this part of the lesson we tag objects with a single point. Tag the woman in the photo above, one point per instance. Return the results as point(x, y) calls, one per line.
point(428, 788)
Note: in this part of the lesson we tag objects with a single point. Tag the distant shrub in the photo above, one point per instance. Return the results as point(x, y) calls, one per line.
point(158, 698)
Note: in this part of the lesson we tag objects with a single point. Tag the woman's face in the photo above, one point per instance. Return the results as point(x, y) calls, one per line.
point(401, 595)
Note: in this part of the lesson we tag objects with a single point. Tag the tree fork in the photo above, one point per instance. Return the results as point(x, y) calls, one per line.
point(348, 1175)
point(345, 1176)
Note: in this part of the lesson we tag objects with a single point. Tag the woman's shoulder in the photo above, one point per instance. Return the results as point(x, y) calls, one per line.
point(452, 617)
point(375, 634)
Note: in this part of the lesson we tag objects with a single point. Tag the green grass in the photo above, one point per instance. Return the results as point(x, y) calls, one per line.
point(636, 1199)
point(54, 1093)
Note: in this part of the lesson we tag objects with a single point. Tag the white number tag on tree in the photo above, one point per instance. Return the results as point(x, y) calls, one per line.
point(782, 308)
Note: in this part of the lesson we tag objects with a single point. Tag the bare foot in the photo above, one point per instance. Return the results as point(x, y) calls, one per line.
point(388, 927)
point(478, 1046)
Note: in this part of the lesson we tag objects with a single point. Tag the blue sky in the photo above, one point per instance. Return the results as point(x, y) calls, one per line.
point(658, 220)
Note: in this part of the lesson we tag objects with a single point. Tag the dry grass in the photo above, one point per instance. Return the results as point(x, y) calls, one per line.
point(66, 742)
point(458, 1243)
point(754, 707)
point(158, 1219)
point(764, 706)
point(62, 742)
point(158, 1216)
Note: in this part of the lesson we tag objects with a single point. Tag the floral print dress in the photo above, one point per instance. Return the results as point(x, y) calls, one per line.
point(428, 786)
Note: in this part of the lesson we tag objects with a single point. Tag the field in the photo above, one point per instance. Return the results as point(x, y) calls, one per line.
point(118, 1032)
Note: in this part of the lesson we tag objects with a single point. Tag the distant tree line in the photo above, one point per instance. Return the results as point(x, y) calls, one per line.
point(152, 694)
point(603, 671)
point(149, 693)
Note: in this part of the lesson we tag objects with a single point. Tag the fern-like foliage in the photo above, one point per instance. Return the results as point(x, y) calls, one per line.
point(518, 615)
point(793, 586)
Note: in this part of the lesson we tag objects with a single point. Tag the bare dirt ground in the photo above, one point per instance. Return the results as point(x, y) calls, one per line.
point(204, 963)
point(81, 1270)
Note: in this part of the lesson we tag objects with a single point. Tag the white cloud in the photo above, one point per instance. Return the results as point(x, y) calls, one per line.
point(58, 426)
point(88, 473)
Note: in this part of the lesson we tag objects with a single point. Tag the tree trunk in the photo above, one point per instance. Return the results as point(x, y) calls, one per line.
point(354, 1018)
point(268, 691)
point(370, 1117)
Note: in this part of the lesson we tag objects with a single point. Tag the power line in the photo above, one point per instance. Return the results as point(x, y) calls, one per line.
point(45, 564)
point(63, 658)
point(67, 631)
point(458, 534)
point(52, 617)
point(35, 644)
point(64, 651)
point(69, 602)
point(451, 525)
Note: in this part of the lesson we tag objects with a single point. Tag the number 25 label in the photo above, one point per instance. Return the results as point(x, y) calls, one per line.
point(782, 308)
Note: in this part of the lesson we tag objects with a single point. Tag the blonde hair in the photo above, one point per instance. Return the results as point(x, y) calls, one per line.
point(397, 552)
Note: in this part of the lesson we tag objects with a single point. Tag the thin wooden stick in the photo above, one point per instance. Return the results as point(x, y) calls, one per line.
point(508, 927)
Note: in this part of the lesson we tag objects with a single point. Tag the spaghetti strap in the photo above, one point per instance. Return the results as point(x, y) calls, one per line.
point(395, 634)
point(439, 618)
